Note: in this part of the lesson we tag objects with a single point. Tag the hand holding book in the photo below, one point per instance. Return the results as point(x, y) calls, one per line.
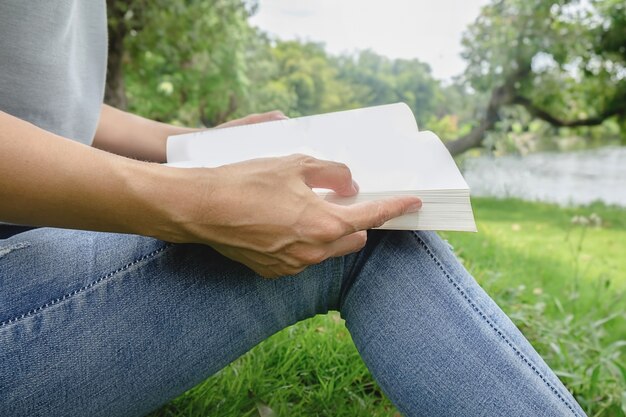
point(382, 146)
point(263, 213)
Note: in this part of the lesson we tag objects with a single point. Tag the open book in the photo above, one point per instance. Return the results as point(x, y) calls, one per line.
point(381, 145)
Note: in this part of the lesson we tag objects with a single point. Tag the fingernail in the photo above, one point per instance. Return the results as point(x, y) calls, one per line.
point(415, 207)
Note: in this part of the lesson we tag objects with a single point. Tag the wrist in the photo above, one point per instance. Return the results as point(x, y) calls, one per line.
point(168, 198)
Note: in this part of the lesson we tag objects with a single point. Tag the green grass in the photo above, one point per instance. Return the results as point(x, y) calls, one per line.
point(561, 283)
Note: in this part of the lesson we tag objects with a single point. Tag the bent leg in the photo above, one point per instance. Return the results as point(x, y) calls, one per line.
point(435, 341)
point(108, 324)
point(105, 324)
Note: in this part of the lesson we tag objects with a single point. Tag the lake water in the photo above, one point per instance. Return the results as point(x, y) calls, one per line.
point(563, 178)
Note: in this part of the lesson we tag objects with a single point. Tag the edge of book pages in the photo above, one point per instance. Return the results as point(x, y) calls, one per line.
point(394, 159)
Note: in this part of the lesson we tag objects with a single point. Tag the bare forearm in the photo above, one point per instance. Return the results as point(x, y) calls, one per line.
point(133, 136)
point(47, 180)
point(261, 212)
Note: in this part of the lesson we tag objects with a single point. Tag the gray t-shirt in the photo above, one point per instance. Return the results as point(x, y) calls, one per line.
point(53, 64)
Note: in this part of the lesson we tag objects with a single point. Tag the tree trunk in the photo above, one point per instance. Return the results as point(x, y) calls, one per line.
point(501, 96)
point(115, 91)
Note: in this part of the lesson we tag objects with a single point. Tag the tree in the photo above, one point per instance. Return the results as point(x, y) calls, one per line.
point(375, 79)
point(302, 79)
point(178, 59)
point(307, 71)
point(563, 61)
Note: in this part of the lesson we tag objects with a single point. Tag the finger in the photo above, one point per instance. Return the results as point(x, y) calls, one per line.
point(265, 117)
point(347, 244)
point(260, 263)
point(256, 118)
point(328, 174)
point(275, 115)
point(272, 272)
point(371, 214)
point(232, 123)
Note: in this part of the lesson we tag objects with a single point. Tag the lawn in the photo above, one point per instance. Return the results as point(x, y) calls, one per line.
point(559, 273)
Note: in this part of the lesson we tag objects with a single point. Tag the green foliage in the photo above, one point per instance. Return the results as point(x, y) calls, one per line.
point(199, 62)
point(185, 59)
point(306, 71)
point(447, 127)
point(301, 371)
point(559, 274)
point(302, 79)
point(298, 78)
point(375, 79)
point(578, 345)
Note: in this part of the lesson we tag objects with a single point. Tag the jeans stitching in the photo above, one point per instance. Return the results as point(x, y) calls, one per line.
point(86, 287)
point(490, 323)
point(12, 248)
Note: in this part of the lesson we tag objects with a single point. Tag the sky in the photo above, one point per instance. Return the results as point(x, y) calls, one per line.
point(428, 30)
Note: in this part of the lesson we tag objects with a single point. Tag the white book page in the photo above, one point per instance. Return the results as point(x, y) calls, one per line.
point(381, 146)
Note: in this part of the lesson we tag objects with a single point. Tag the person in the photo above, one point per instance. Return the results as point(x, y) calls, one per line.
point(127, 281)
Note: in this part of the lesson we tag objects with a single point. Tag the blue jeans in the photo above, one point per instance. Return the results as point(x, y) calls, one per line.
point(102, 324)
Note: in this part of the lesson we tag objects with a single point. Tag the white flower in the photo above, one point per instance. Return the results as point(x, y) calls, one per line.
point(595, 220)
point(166, 88)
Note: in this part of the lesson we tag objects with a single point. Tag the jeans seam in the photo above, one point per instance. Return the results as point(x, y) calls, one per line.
point(84, 288)
point(337, 280)
point(491, 324)
point(12, 248)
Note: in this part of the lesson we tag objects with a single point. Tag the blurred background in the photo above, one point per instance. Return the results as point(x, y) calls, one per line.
point(530, 97)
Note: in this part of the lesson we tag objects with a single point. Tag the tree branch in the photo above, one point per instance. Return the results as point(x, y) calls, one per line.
point(555, 121)
point(500, 96)
point(506, 94)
